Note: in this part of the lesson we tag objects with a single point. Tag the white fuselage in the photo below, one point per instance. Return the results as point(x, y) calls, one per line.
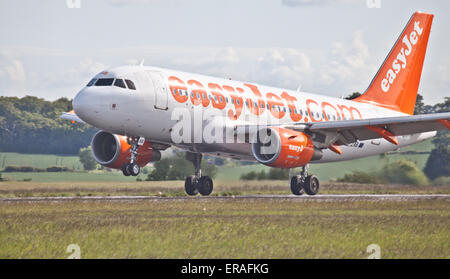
point(153, 109)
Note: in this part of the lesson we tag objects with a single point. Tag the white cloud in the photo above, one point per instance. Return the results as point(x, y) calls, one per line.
point(15, 72)
point(345, 67)
point(13, 76)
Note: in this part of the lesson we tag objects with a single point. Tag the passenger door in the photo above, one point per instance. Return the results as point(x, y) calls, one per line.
point(161, 91)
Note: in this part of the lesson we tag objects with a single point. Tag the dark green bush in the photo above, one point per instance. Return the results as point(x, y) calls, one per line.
point(178, 168)
point(58, 169)
point(249, 176)
point(19, 169)
point(404, 172)
point(360, 177)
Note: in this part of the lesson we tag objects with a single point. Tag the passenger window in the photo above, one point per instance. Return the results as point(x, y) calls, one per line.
point(104, 82)
point(91, 82)
point(130, 84)
point(120, 83)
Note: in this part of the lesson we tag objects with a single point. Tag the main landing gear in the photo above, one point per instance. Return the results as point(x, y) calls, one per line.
point(197, 183)
point(304, 183)
point(133, 168)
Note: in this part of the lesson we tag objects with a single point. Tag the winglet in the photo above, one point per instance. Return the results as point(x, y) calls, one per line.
point(71, 116)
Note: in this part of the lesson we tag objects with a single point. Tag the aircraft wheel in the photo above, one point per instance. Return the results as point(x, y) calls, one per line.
point(134, 169)
point(126, 169)
point(205, 185)
point(296, 185)
point(311, 185)
point(190, 185)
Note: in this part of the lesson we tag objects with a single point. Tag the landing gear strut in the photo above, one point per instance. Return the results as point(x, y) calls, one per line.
point(197, 183)
point(133, 168)
point(304, 183)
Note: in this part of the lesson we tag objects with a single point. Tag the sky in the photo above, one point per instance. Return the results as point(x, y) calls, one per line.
point(52, 48)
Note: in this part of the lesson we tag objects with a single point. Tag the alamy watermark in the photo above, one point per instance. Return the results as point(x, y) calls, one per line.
point(73, 4)
point(75, 251)
point(373, 4)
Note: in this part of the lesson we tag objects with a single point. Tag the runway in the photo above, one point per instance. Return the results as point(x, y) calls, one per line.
point(319, 198)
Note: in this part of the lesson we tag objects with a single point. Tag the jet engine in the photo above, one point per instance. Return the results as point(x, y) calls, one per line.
point(283, 148)
point(113, 151)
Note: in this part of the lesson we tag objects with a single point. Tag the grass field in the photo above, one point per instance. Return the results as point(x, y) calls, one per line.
point(39, 160)
point(325, 172)
point(176, 188)
point(225, 229)
point(332, 171)
point(49, 177)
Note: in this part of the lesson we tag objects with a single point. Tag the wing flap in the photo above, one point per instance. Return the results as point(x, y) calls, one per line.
point(366, 129)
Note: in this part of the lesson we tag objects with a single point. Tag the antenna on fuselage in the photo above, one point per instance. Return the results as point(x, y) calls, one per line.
point(142, 62)
point(299, 88)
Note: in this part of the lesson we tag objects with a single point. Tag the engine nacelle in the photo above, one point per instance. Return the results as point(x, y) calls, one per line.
point(283, 148)
point(113, 151)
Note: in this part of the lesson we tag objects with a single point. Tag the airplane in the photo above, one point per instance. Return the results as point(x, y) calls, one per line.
point(142, 110)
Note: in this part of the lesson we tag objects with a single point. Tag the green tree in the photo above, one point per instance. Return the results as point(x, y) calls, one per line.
point(86, 159)
point(438, 163)
point(32, 125)
point(403, 172)
point(419, 107)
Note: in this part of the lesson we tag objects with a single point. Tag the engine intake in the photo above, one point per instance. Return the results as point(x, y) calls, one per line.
point(283, 148)
point(113, 151)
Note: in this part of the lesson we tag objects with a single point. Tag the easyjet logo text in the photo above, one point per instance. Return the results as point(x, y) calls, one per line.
point(400, 62)
point(234, 100)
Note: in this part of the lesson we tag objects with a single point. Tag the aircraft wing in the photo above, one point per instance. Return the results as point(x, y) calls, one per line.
point(325, 134)
point(72, 116)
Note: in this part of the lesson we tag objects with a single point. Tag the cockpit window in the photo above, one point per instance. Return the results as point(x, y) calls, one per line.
point(120, 83)
point(104, 82)
point(91, 82)
point(130, 84)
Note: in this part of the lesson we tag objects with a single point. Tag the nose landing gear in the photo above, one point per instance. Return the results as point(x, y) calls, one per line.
point(133, 168)
point(197, 183)
point(304, 183)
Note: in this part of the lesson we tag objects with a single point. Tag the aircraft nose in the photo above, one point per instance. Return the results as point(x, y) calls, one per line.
point(83, 104)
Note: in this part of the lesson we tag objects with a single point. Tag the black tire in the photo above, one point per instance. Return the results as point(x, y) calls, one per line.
point(190, 185)
point(126, 170)
point(311, 185)
point(296, 185)
point(205, 185)
point(134, 169)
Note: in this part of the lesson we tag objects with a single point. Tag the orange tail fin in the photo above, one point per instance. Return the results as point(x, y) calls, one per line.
point(396, 82)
